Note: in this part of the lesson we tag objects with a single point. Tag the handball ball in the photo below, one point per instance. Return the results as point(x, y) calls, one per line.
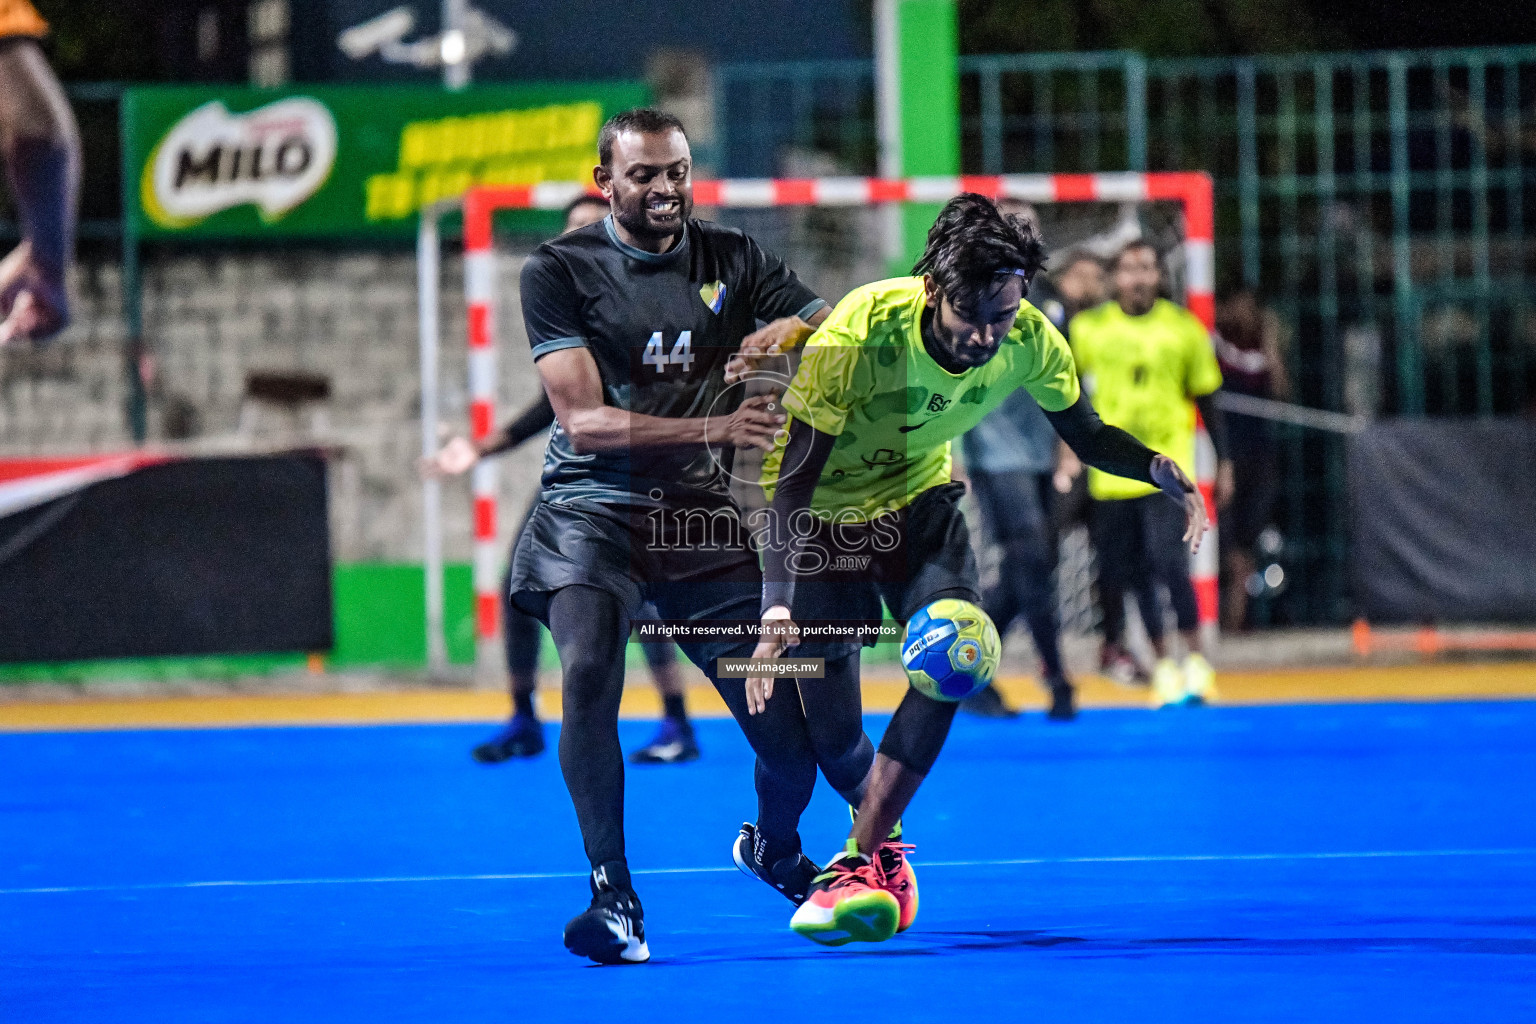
point(950, 649)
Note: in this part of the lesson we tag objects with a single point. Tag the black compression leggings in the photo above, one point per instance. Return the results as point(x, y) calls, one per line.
point(918, 730)
point(791, 740)
point(815, 723)
point(591, 629)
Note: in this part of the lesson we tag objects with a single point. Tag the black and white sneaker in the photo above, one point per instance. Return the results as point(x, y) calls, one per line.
point(674, 744)
point(612, 929)
point(790, 875)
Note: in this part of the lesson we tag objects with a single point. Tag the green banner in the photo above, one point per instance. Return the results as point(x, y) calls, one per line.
point(347, 161)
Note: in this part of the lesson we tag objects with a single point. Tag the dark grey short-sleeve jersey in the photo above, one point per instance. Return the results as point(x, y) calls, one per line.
point(661, 329)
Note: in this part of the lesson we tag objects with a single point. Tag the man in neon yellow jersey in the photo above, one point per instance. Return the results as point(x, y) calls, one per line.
point(864, 511)
point(1148, 364)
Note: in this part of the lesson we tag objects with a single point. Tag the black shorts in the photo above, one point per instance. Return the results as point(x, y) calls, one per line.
point(693, 564)
point(906, 559)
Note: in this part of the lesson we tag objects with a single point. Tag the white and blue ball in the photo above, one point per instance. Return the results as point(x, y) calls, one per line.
point(950, 649)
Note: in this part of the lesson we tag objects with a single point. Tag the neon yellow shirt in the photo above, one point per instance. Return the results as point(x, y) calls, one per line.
point(1141, 373)
point(866, 378)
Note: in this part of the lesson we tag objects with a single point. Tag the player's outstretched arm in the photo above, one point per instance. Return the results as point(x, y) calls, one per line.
point(575, 390)
point(1112, 450)
point(460, 454)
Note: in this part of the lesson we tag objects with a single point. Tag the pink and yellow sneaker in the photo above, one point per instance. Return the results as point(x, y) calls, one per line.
point(897, 876)
point(848, 903)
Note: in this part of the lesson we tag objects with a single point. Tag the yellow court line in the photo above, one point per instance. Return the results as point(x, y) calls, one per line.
point(883, 689)
point(1336, 685)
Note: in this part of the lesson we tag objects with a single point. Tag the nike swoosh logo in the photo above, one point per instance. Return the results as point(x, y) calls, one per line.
point(915, 426)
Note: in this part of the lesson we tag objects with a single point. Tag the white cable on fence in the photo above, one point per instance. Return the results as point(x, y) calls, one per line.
point(1297, 415)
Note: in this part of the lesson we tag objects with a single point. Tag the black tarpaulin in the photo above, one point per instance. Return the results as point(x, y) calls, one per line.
point(1444, 520)
point(202, 556)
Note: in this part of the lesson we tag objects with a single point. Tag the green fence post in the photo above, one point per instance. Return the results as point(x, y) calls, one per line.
point(990, 89)
point(1477, 99)
point(130, 282)
point(1365, 235)
point(1248, 171)
point(1445, 236)
point(1410, 380)
point(1172, 136)
point(1045, 110)
point(1514, 208)
point(1135, 111)
point(1328, 322)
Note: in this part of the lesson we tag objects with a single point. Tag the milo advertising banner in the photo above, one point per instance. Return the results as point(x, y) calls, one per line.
point(345, 161)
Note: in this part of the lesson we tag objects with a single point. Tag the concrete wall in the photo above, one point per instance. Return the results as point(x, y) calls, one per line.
point(210, 319)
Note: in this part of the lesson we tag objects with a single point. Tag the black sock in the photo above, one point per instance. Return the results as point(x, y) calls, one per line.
point(522, 704)
point(672, 704)
point(614, 874)
point(776, 849)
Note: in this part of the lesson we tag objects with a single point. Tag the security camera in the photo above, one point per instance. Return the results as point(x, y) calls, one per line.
point(375, 34)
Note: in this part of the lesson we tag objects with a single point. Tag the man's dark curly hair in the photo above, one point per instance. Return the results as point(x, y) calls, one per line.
point(973, 242)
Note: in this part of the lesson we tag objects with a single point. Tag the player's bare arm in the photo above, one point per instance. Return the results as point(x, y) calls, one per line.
point(460, 454)
point(575, 391)
point(1068, 468)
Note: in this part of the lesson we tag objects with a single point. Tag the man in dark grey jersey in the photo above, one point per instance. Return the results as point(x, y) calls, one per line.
point(523, 735)
point(633, 321)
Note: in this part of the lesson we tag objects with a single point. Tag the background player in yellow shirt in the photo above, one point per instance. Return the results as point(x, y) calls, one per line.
point(40, 148)
point(863, 508)
point(1148, 364)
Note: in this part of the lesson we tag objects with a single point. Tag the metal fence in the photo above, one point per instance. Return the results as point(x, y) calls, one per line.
point(1380, 203)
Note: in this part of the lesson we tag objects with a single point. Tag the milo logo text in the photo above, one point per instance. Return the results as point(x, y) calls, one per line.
point(274, 157)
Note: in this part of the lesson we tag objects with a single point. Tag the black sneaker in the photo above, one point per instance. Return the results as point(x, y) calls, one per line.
point(612, 929)
point(522, 737)
point(1063, 700)
point(674, 744)
point(790, 875)
point(987, 703)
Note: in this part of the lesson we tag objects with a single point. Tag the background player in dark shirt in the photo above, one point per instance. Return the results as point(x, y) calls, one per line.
point(633, 322)
point(523, 735)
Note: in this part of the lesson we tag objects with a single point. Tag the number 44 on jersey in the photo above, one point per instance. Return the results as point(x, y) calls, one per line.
point(681, 354)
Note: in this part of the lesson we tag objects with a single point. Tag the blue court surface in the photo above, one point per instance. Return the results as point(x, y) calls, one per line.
point(1332, 863)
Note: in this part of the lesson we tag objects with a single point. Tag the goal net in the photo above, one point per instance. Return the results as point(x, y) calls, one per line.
point(832, 232)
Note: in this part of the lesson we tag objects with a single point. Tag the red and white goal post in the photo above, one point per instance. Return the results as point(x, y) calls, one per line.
point(1191, 190)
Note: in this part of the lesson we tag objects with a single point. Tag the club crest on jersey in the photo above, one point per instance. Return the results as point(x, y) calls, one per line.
point(713, 295)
